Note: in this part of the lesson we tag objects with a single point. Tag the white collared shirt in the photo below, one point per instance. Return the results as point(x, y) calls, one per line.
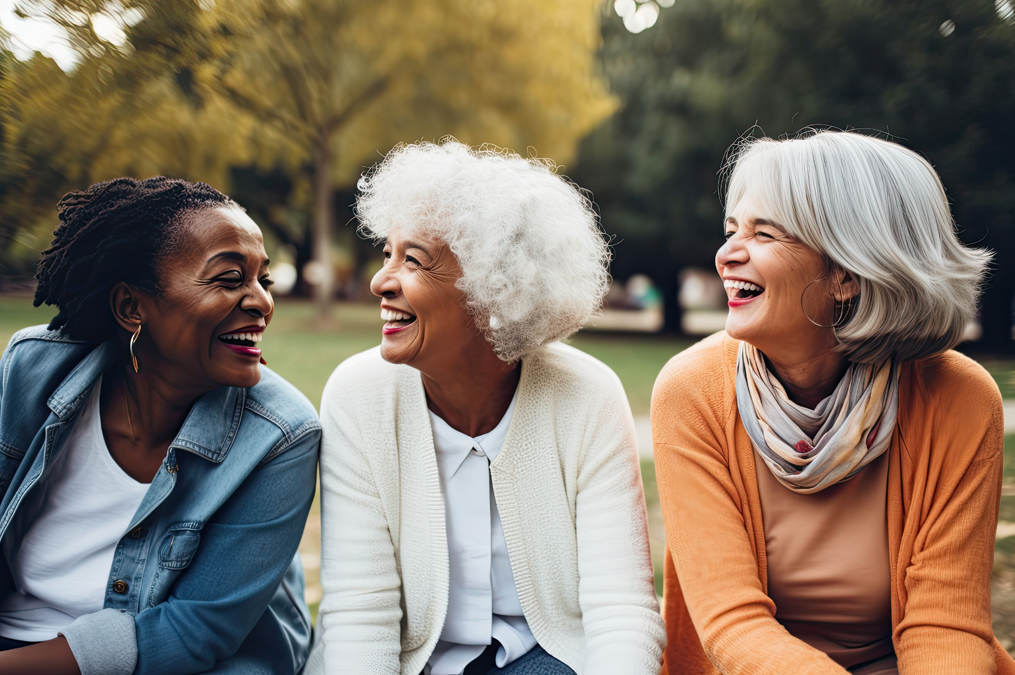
point(482, 599)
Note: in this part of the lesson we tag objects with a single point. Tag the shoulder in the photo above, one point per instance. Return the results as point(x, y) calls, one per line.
point(558, 359)
point(699, 363)
point(37, 339)
point(705, 371)
point(359, 378)
point(952, 375)
point(37, 360)
point(571, 374)
point(275, 399)
point(951, 392)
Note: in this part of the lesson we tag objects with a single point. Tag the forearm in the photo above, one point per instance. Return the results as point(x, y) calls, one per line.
point(361, 611)
point(52, 657)
point(623, 628)
point(718, 573)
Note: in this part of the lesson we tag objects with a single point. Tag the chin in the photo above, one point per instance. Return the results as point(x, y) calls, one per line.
point(243, 379)
point(392, 355)
point(738, 331)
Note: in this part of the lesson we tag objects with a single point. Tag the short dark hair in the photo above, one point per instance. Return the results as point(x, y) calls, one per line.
point(114, 231)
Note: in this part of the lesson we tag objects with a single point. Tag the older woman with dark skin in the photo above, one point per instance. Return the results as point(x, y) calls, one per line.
point(155, 479)
point(482, 509)
point(829, 470)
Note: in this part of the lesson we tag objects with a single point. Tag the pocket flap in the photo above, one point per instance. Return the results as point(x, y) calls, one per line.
point(179, 546)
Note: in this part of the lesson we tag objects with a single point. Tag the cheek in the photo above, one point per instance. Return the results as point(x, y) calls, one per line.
point(187, 325)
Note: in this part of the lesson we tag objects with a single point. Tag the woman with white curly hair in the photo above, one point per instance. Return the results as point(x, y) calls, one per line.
point(473, 468)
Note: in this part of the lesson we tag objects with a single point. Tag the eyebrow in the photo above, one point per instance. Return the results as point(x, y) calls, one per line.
point(412, 244)
point(229, 255)
point(233, 255)
point(758, 221)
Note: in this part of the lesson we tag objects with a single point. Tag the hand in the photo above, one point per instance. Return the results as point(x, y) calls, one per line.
point(52, 657)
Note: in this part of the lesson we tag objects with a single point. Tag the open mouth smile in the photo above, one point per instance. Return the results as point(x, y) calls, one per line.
point(244, 341)
point(741, 292)
point(395, 321)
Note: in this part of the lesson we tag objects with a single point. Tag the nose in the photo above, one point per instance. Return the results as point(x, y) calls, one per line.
point(258, 302)
point(385, 284)
point(732, 253)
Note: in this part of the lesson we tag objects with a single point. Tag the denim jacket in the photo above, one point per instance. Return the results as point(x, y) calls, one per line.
point(205, 577)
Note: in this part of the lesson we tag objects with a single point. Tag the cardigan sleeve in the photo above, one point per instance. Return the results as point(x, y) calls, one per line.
point(360, 611)
point(704, 514)
point(946, 622)
point(624, 631)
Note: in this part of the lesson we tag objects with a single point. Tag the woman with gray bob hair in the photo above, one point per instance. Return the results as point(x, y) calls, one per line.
point(473, 468)
point(880, 214)
point(829, 471)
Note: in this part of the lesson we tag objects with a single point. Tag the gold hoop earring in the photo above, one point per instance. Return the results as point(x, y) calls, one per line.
point(843, 307)
point(133, 339)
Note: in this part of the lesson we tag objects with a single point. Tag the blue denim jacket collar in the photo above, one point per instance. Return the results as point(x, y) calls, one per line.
point(208, 431)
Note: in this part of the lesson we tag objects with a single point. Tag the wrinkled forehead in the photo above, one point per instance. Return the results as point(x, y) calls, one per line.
point(415, 234)
point(207, 232)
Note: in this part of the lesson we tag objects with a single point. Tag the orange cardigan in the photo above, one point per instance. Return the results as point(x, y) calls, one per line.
point(944, 486)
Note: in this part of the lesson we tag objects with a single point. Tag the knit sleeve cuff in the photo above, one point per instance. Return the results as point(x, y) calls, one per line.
point(103, 643)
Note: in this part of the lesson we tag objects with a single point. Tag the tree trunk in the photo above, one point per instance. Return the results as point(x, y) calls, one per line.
point(322, 224)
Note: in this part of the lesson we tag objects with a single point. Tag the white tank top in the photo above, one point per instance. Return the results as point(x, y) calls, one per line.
point(68, 528)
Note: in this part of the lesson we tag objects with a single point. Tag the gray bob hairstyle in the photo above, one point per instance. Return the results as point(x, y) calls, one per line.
point(877, 211)
point(534, 261)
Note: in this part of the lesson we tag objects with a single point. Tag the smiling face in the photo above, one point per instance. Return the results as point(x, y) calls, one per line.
point(766, 271)
point(426, 321)
point(203, 329)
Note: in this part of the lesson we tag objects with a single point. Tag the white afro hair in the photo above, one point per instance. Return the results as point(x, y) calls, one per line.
point(533, 258)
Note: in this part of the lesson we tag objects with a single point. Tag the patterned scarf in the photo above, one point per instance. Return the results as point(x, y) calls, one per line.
point(809, 450)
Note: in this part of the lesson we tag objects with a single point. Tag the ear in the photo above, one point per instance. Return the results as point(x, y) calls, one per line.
point(844, 286)
point(127, 305)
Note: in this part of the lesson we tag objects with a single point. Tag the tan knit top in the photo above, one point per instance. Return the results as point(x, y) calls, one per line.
point(829, 572)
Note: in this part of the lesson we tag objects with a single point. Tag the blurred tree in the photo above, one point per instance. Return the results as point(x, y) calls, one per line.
point(328, 85)
point(937, 74)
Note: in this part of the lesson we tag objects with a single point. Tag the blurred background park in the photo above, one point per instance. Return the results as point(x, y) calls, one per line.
point(283, 103)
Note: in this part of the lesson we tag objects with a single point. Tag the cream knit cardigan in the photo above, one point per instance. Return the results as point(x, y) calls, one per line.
point(568, 486)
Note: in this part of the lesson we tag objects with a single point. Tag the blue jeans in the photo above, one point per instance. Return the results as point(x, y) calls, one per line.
point(536, 662)
point(7, 643)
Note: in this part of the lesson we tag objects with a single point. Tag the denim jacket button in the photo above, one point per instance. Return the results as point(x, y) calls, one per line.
point(120, 586)
point(137, 532)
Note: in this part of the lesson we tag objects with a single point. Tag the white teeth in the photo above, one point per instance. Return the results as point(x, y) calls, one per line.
point(253, 337)
point(391, 315)
point(742, 285)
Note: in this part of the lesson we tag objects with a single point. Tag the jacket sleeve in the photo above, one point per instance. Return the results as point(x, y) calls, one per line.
point(360, 611)
point(946, 620)
point(245, 550)
point(623, 628)
point(708, 542)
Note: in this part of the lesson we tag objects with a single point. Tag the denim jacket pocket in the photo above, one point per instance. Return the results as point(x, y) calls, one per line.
point(179, 545)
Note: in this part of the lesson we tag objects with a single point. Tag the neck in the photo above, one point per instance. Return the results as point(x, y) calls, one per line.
point(809, 376)
point(155, 408)
point(473, 393)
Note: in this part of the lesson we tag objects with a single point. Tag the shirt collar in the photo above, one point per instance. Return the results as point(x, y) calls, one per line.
point(453, 447)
